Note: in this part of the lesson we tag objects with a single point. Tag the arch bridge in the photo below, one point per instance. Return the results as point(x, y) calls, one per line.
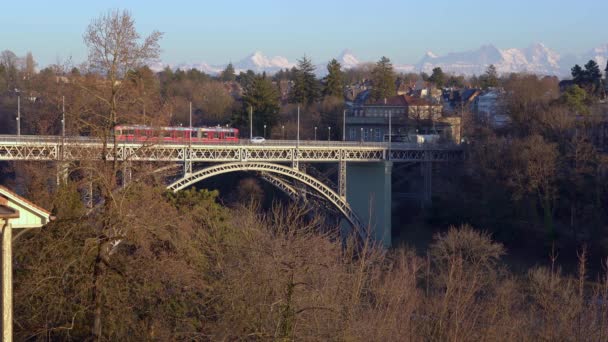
point(367, 165)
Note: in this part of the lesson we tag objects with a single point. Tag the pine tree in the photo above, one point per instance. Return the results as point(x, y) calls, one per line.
point(438, 77)
point(490, 78)
point(592, 72)
point(263, 98)
point(228, 74)
point(383, 78)
point(578, 74)
point(334, 81)
point(306, 87)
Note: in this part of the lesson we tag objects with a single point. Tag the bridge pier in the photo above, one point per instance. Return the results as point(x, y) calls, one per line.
point(63, 171)
point(369, 195)
point(427, 176)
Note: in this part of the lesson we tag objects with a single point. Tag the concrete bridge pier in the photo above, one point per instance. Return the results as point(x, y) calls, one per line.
point(368, 192)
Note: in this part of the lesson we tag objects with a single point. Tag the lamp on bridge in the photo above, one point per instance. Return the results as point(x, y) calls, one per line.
point(283, 132)
point(264, 131)
point(315, 132)
point(328, 133)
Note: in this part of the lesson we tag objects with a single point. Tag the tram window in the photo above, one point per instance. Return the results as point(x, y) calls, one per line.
point(216, 135)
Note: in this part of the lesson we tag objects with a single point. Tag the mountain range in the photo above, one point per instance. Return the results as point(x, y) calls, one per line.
point(536, 58)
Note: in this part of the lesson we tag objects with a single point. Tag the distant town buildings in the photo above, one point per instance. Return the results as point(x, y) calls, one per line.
point(408, 115)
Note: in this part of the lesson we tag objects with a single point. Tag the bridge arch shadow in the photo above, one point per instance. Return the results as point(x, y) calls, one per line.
point(326, 192)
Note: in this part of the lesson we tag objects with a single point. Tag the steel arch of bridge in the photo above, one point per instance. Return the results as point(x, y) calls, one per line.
point(338, 201)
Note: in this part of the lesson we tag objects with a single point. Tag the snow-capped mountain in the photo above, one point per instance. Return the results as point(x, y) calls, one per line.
point(536, 58)
point(599, 55)
point(258, 62)
point(348, 60)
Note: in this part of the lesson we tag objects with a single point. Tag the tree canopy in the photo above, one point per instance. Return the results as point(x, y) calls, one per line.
point(334, 81)
point(383, 78)
point(438, 77)
point(228, 74)
point(306, 89)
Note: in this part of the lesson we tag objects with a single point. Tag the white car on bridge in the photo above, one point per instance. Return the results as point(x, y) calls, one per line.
point(258, 140)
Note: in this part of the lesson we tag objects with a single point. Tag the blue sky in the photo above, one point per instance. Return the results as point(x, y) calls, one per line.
point(219, 31)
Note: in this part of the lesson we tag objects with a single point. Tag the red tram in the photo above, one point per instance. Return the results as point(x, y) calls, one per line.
point(141, 133)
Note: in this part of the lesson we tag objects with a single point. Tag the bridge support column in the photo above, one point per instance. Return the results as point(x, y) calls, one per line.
point(369, 195)
point(62, 172)
point(126, 173)
point(427, 175)
point(187, 161)
point(342, 179)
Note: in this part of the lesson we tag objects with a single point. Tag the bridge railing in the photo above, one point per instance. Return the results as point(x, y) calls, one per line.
point(241, 142)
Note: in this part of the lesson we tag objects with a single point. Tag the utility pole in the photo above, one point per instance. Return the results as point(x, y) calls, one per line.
point(63, 116)
point(19, 115)
point(298, 135)
point(190, 115)
point(250, 122)
point(344, 125)
point(390, 132)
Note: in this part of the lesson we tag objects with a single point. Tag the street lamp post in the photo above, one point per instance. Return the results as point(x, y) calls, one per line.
point(361, 133)
point(315, 132)
point(298, 130)
point(344, 125)
point(250, 122)
point(328, 133)
point(390, 131)
point(283, 132)
point(63, 116)
point(264, 131)
point(19, 115)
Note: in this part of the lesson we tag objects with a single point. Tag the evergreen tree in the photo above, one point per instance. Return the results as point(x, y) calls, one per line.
point(578, 74)
point(588, 78)
point(606, 71)
point(263, 98)
point(593, 71)
point(306, 87)
point(246, 79)
point(438, 77)
point(490, 78)
point(334, 81)
point(383, 78)
point(228, 74)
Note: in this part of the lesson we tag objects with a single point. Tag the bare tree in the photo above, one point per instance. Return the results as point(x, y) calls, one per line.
point(115, 49)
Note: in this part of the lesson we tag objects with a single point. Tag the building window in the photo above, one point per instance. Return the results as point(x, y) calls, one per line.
point(365, 134)
point(352, 134)
point(377, 134)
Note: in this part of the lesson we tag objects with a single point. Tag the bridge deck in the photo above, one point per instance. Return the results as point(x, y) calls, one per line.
point(85, 148)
